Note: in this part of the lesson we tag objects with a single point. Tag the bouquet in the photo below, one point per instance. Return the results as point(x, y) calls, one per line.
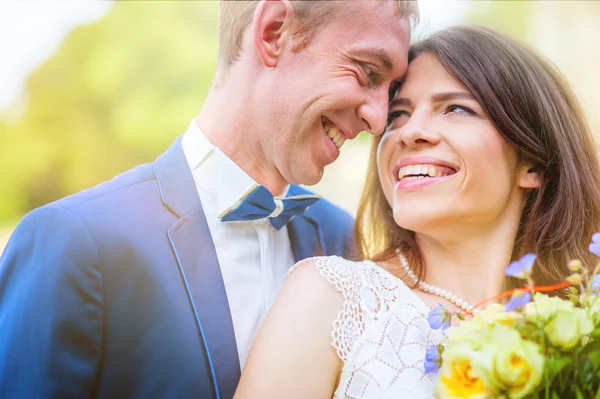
point(535, 346)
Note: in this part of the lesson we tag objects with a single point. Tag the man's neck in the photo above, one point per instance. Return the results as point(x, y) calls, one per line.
point(228, 121)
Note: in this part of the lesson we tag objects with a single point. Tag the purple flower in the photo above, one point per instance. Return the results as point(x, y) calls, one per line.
point(432, 359)
point(439, 318)
point(595, 244)
point(521, 268)
point(518, 300)
point(596, 283)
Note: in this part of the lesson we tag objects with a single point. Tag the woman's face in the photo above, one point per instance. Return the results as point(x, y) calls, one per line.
point(442, 164)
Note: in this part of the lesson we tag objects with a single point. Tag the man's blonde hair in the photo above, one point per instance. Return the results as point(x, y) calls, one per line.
point(236, 15)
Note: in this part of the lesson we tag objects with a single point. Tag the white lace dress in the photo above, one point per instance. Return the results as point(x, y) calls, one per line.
point(381, 333)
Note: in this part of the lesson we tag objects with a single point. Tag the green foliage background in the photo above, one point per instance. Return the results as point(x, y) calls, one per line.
point(115, 94)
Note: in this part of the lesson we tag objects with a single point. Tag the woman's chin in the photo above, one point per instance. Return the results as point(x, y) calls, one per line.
point(420, 222)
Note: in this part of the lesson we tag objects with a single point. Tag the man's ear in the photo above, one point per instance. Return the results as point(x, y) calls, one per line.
point(271, 28)
point(528, 177)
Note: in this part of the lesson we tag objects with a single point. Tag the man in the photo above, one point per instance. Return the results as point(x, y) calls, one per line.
point(154, 284)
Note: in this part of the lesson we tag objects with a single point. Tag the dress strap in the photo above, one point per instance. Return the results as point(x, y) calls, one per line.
point(368, 292)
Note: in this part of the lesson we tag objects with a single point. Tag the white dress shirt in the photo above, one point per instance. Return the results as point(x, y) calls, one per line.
point(254, 256)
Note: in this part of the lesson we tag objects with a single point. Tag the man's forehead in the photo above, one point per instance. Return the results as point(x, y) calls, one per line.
point(378, 33)
point(377, 24)
point(389, 52)
point(384, 12)
point(373, 51)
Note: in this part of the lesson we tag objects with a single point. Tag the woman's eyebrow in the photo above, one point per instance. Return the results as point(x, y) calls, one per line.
point(451, 95)
point(436, 98)
point(401, 101)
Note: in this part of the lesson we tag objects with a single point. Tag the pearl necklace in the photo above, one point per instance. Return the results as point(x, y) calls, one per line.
point(434, 290)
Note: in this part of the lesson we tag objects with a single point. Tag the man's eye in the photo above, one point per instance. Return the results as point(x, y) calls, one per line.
point(370, 72)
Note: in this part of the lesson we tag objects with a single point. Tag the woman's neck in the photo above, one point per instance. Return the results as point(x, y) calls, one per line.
point(471, 265)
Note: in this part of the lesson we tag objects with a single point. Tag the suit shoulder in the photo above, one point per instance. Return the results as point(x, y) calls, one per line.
point(325, 211)
point(132, 179)
point(336, 227)
point(49, 232)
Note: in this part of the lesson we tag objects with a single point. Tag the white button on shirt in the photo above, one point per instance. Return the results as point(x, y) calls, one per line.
point(254, 256)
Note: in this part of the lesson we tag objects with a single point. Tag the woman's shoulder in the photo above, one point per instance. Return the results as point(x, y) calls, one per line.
point(342, 274)
point(368, 293)
point(324, 266)
point(345, 274)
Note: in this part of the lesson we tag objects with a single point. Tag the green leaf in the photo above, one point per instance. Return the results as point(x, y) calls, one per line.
point(592, 351)
point(555, 365)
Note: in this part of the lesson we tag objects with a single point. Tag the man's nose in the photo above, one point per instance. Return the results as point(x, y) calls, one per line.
point(373, 111)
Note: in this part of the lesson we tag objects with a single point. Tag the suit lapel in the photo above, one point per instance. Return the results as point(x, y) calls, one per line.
point(197, 261)
point(306, 238)
point(201, 274)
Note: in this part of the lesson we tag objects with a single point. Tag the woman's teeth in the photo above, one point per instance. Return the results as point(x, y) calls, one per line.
point(413, 172)
point(335, 135)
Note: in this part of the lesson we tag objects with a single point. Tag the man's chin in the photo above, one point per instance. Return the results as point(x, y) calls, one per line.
point(308, 179)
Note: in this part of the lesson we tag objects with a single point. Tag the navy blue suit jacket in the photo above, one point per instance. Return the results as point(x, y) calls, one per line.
point(116, 292)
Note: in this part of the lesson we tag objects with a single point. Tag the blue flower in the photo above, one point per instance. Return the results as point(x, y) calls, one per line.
point(432, 359)
point(521, 268)
point(439, 318)
point(596, 283)
point(518, 301)
point(595, 244)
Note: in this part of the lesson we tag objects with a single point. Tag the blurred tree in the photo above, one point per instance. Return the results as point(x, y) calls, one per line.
point(510, 17)
point(114, 95)
point(564, 31)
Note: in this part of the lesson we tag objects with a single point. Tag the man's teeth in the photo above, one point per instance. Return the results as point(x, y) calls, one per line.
point(335, 135)
point(413, 172)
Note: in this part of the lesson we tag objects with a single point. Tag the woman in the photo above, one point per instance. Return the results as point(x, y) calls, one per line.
point(486, 157)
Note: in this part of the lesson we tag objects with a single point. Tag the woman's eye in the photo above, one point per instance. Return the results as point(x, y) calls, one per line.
point(459, 109)
point(397, 114)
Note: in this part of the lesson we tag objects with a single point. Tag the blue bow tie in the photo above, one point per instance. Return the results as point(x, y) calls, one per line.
point(260, 204)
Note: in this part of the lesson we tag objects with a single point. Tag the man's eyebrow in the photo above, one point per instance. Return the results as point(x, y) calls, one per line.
point(379, 53)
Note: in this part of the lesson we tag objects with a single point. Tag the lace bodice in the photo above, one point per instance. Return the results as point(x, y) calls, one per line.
point(380, 334)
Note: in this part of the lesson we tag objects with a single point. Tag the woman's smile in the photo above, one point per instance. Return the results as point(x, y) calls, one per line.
point(415, 172)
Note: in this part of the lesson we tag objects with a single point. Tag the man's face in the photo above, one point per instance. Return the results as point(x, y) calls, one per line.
point(336, 87)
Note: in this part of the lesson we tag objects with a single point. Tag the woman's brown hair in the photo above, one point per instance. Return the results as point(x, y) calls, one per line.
point(533, 108)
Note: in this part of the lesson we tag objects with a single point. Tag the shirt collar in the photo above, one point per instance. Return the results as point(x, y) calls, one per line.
point(205, 160)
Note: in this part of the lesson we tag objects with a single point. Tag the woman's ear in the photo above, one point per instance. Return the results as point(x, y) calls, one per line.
point(528, 176)
point(270, 28)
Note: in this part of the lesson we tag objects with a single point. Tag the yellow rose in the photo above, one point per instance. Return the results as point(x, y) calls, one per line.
point(511, 364)
point(467, 330)
point(566, 327)
point(543, 306)
point(593, 304)
point(459, 379)
point(496, 313)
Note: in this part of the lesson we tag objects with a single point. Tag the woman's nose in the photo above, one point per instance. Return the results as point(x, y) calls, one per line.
point(418, 131)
